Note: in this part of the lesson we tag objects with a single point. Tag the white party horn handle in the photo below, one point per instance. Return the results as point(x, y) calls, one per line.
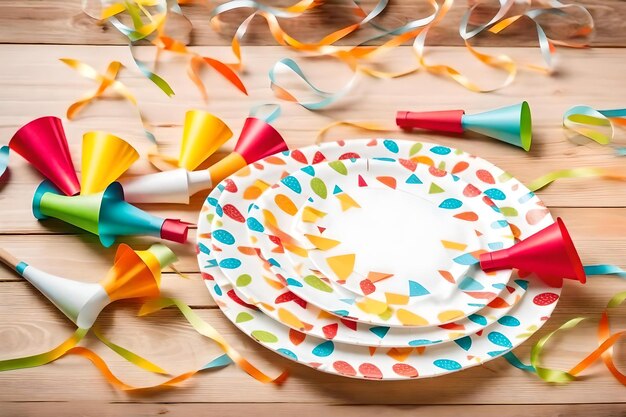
point(162, 187)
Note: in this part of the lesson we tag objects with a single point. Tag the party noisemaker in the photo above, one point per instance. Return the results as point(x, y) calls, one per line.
point(105, 157)
point(135, 274)
point(511, 124)
point(105, 214)
point(257, 140)
point(549, 253)
point(42, 142)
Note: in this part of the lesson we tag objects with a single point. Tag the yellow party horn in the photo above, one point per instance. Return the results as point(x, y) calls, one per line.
point(105, 158)
point(203, 134)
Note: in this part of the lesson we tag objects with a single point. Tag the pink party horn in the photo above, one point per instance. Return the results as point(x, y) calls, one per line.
point(549, 253)
point(42, 142)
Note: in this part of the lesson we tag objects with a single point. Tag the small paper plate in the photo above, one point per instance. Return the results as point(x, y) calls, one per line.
point(526, 215)
point(392, 237)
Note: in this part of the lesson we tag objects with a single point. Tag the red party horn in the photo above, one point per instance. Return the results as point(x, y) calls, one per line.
point(549, 253)
point(42, 142)
point(258, 139)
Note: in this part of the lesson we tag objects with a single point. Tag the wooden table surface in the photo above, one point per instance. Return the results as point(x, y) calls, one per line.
point(35, 34)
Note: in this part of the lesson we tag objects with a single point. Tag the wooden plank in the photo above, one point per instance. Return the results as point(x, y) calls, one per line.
point(62, 22)
point(307, 410)
point(26, 95)
point(598, 233)
point(28, 324)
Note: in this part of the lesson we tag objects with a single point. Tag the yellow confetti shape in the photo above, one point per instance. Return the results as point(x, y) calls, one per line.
point(409, 319)
point(450, 315)
point(347, 202)
point(372, 306)
point(423, 160)
point(386, 314)
point(285, 204)
point(396, 299)
point(274, 284)
point(400, 354)
point(453, 245)
point(322, 243)
point(290, 319)
point(342, 265)
point(311, 215)
point(378, 276)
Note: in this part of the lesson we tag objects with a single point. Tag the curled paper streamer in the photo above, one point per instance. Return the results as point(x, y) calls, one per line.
point(105, 158)
point(106, 80)
point(585, 172)
point(606, 340)
point(101, 365)
point(596, 125)
point(135, 274)
point(4, 159)
point(208, 331)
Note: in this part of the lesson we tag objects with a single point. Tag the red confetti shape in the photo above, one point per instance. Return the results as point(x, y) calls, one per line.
point(349, 155)
point(408, 164)
point(330, 331)
point(344, 368)
point(471, 191)
point(239, 301)
point(229, 185)
point(298, 156)
point(289, 296)
point(296, 337)
point(545, 298)
point(367, 287)
point(485, 176)
point(318, 157)
point(349, 324)
point(403, 369)
point(232, 212)
point(369, 370)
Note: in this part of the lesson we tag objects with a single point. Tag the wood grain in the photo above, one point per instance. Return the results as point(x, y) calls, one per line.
point(34, 83)
point(63, 22)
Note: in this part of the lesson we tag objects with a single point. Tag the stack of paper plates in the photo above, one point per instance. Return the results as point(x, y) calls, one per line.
point(359, 258)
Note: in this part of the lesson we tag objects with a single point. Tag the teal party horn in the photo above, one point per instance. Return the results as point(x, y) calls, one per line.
point(105, 214)
point(510, 124)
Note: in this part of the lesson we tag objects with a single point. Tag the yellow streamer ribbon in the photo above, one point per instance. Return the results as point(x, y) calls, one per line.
point(616, 174)
point(209, 331)
point(106, 80)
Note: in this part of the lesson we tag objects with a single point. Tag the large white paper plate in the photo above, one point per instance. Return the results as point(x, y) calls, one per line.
point(525, 212)
point(389, 237)
point(284, 306)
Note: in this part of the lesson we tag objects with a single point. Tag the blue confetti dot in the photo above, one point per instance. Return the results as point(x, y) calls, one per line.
point(202, 248)
point(324, 349)
point(499, 224)
point(380, 331)
point(384, 159)
point(254, 224)
point(292, 183)
point(440, 150)
point(341, 313)
point(522, 283)
point(450, 204)
point(420, 342)
point(230, 263)
point(391, 145)
point(309, 170)
point(293, 282)
point(219, 211)
point(287, 353)
point(495, 194)
point(478, 319)
point(217, 290)
point(499, 339)
point(466, 259)
point(212, 201)
point(509, 321)
point(223, 236)
point(464, 342)
point(447, 364)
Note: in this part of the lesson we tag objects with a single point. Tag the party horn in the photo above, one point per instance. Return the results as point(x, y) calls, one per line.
point(258, 139)
point(135, 274)
point(511, 124)
point(42, 142)
point(105, 214)
point(105, 157)
point(549, 253)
